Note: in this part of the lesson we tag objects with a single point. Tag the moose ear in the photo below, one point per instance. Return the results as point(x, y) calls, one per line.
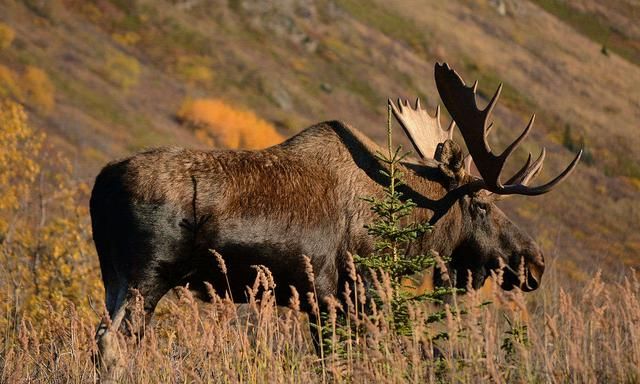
point(451, 162)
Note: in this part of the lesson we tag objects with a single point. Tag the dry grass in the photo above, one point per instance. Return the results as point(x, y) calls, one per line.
point(589, 335)
point(351, 62)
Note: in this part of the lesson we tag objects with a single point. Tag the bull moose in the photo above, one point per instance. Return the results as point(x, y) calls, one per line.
point(304, 197)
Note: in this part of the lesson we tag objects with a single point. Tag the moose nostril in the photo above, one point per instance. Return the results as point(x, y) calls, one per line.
point(534, 274)
point(532, 282)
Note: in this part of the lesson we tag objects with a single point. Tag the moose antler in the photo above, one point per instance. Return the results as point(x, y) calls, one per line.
point(528, 171)
point(474, 124)
point(424, 131)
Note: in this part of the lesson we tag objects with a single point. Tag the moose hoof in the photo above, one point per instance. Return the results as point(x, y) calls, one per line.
point(109, 362)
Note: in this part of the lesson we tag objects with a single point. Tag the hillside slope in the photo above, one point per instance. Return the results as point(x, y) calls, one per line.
point(121, 71)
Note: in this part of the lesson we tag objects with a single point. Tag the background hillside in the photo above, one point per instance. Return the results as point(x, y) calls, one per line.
point(86, 82)
point(106, 78)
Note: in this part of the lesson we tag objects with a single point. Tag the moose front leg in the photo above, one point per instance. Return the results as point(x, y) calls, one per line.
point(130, 315)
point(108, 358)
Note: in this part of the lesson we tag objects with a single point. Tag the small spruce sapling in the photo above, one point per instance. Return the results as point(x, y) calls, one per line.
point(394, 236)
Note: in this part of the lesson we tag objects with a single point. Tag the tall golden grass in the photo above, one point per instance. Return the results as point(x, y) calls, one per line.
point(50, 304)
point(590, 335)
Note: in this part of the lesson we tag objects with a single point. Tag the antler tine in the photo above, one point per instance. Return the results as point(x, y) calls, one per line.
point(507, 152)
point(532, 172)
point(468, 160)
point(528, 171)
point(451, 126)
point(522, 189)
point(518, 176)
point(424, 131)
point(489, 108)
point(474, 125)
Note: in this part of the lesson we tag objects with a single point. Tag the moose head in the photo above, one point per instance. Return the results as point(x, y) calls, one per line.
point(489, 241)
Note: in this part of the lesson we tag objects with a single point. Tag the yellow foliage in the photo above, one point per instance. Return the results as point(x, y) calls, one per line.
point(8, 84)
point(635, 181)
point(38, 89)
point(122, 70)
point(218, 123)
point(18, 168)
point(7, 34)
point(65, 258)
point(127, 38)
point(33, 87)
point(299, 64)
point(90, 11)
point(194, 70)
point(45, 244)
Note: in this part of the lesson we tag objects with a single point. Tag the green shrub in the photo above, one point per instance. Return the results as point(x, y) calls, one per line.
point(194, 69)
point(122, 70)
point(390, 258)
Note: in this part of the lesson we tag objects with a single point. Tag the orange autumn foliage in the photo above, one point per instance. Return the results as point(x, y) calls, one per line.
point(217, 123)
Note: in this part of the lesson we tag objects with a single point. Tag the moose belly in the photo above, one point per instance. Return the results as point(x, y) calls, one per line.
point(249, 244)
